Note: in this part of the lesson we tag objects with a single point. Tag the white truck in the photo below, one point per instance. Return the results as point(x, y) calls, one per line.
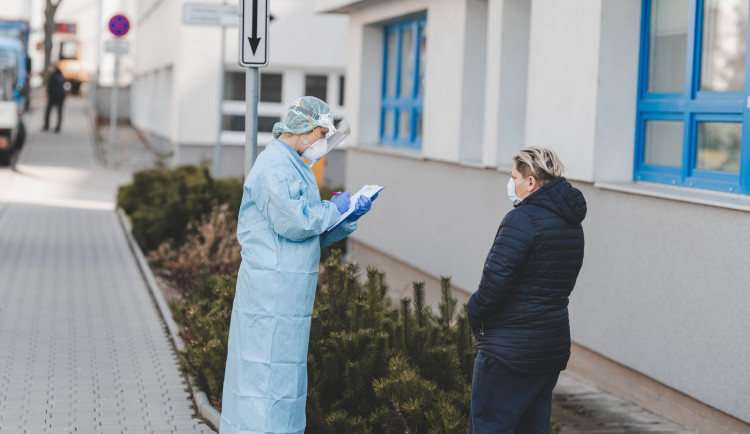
point(11, 102)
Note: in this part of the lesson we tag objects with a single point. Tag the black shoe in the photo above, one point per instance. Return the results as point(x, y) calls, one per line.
point(45, 128)
point(57, 130)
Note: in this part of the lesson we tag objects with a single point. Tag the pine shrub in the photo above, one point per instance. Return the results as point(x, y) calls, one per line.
point(163, 203)
point(205, 332)
point(373, 368)
point(376, 368)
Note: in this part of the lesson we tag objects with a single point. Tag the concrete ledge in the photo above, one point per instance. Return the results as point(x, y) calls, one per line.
point(205, 409)
point(680, 194)
point(651, 394)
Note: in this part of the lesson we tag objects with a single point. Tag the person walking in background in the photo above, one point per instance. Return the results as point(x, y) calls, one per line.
point(282, 226)
point(55, 97)
point(519, 313)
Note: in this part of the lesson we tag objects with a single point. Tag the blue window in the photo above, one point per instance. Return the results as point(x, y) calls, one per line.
point(403, 76)
point(693, 123)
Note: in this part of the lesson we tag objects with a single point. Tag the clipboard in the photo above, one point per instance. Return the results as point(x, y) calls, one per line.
point(369, 190)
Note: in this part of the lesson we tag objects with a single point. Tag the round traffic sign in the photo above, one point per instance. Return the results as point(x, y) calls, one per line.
point(119, 25)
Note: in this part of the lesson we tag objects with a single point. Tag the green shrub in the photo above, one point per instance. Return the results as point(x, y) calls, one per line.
point(373, 366)
point(162, 203)
point(205, 332)
point(363, 353)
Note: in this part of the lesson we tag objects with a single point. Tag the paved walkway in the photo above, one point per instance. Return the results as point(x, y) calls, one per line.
point(82, 346)
point(582, 408)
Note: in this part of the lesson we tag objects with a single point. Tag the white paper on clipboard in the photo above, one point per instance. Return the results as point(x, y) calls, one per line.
point(369, 190)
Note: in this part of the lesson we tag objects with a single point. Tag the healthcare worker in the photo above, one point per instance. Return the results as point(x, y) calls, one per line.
point(281, 227)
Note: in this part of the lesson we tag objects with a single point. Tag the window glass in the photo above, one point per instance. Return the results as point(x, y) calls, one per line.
point(391, 64)
point(8, 58)
point(403, 71)
point(5, 93)
point(668, 45)
point(234, 86)
point(237, 123)
point(663, 143)
point(419, 126)
point(709, 93)
point(266, 123)
point(389, 123)
point(68, 50)
point(232, 123)
point(422, 57)
point(407, 62)
point(404, 124)
point(719, 146)
point(341, 90)
point(270, 87)
point(317, 86)
point(724, 45)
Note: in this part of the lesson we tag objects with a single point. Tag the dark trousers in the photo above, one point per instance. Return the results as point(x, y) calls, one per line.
point(504, 403)
point(52, 102)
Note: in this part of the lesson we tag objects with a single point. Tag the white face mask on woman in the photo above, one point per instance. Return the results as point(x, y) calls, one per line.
point(317, 150)
point(511, 187)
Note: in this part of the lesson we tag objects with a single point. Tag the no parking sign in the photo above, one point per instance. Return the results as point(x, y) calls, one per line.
point(119, 25)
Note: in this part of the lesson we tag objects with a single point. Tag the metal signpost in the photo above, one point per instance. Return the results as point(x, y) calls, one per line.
point(253, 54)
point(209, 14)
point(118, 26)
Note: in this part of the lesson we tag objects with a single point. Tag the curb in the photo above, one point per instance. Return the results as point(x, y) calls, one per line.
point(205, 410)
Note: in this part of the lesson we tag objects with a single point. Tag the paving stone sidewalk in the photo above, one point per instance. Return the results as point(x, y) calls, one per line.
point(82, 345)
point(583, 408)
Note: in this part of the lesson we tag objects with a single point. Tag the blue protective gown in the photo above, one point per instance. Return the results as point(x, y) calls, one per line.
point(280, 225)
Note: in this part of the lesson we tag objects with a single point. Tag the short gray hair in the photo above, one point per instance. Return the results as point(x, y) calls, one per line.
point(541, 163)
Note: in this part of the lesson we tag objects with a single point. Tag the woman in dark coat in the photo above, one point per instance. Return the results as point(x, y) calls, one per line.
point(519, 313)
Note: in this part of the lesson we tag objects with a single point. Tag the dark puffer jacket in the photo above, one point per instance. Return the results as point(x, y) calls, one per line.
point(519, 314)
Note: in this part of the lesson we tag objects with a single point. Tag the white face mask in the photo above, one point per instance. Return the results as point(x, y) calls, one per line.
point(334, 137)
point(511, 187)
point(316, 151)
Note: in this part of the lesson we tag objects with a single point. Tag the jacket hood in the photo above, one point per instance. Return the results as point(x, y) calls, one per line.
point(560, 197)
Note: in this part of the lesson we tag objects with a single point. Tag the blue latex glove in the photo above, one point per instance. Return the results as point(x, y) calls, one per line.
point(360, 208)
point(342, 201)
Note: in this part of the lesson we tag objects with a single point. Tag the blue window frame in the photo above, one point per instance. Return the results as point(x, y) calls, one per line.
point(693, 120)
point(403, 73)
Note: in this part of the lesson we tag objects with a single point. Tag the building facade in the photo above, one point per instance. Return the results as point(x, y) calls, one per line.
point(645, 102)
point(178, 80)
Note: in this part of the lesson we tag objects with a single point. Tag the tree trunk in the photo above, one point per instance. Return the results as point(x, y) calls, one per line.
point(49, 29)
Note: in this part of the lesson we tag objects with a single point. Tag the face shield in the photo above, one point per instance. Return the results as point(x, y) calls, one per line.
point(334, 137)
point(326, 121)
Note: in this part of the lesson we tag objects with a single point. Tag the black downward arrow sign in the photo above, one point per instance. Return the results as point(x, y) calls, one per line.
point(254, 40)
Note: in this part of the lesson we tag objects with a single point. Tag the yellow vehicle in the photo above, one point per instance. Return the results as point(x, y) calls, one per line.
point(69, 61)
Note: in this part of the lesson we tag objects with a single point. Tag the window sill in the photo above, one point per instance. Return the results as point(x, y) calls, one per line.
point(680, 194)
